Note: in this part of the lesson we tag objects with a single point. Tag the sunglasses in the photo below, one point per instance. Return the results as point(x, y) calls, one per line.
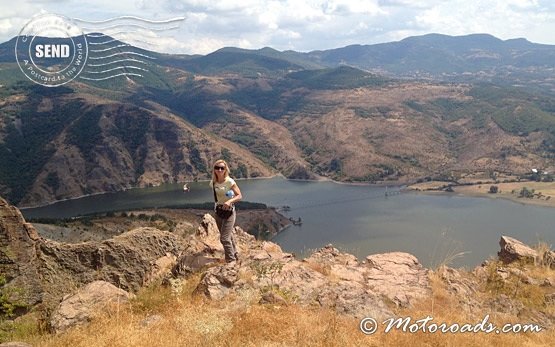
point(221, 168)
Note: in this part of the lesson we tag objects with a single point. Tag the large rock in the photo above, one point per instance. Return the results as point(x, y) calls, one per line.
point(19, 256)
point(514, 250)
point(127, 261)
point(82, 306)
point(463, 285)
point(216, 282)
point(398, 276)
point(39, 270)
point(328, 277)
point(354, 299)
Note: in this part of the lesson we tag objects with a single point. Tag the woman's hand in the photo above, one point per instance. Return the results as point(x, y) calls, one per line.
point(227, 205)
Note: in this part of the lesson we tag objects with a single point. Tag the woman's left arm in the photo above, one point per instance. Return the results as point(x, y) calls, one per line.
point(237, 196)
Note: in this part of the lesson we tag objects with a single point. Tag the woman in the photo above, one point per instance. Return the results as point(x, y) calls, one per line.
point(226, 193)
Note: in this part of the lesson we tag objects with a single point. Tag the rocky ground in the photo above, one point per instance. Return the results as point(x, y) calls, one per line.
point(520, 284)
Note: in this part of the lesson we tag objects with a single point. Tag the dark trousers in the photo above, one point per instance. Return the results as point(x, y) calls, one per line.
point(225, 226)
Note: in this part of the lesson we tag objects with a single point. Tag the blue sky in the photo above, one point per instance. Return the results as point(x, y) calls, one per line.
point(301, 25)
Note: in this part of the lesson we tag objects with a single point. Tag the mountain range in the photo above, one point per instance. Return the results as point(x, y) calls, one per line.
point(432, 106)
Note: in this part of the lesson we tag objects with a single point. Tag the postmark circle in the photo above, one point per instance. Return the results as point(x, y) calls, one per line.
point(51, 50)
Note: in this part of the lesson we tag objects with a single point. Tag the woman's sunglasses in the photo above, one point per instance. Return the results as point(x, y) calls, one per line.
point(220, 168)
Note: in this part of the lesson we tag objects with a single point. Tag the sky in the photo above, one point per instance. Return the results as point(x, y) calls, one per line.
point(300, 25)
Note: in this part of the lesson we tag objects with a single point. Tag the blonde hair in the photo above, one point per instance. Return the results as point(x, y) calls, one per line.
point(226, 171)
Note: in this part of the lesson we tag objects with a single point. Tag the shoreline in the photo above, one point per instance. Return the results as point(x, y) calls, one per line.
point(473, 191)
point(321, 179)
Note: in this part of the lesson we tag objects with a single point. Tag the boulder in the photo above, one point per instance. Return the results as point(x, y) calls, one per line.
point(513, 250)
point(82, 306)
point(160, 268)
point(398, 276)
point(209, 235)
point(218, 281)
point(188, 264)
point(464, 286)
point(353, 299)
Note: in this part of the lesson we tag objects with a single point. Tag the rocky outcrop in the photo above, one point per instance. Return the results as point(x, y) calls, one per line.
point(328, 277)
point(19, 256)
point(39, 270)
point(80, 307)
point(398, 276)
point(517, 291)
point(513, 250)
point(127, 261)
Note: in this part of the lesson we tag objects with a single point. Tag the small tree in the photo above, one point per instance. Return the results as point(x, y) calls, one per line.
point(526, 193)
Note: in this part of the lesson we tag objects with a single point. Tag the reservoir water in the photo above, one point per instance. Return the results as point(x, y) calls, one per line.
point(358, 219)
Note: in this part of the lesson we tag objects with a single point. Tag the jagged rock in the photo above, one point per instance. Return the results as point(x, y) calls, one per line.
point(209, 235)
point(341, 266)
point(299, 280)
point(41, 270)
point(216, 282)
point(206, 240)
point(269, 250)
point(457, 284)
point(80, 307)
point(331, 256)
point(188, 264)
point(523, 277)
point(125, 260)
point(19, 243)
point(15, 344)
point(352, 298)
point(512, 250)
point(160, 268)
point(504, 304)
point(398, 276)
point(463, 287)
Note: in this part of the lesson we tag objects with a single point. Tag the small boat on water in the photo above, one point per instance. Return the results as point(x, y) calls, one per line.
point(296, 221)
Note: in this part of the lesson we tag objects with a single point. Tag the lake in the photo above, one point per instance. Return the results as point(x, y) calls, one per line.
point(358, 219)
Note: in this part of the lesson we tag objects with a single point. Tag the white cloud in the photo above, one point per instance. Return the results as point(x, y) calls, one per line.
point(502, 18)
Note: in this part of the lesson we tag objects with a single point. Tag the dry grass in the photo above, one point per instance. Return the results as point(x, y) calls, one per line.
point(188, 320)
point(511, 190)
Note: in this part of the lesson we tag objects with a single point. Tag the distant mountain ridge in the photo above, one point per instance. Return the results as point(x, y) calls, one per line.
point(425, 107)
point(434, 56)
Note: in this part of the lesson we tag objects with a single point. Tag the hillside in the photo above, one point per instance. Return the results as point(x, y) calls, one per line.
point(271, 112)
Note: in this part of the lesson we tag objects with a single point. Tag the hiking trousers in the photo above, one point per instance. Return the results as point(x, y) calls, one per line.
point(225, 226)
